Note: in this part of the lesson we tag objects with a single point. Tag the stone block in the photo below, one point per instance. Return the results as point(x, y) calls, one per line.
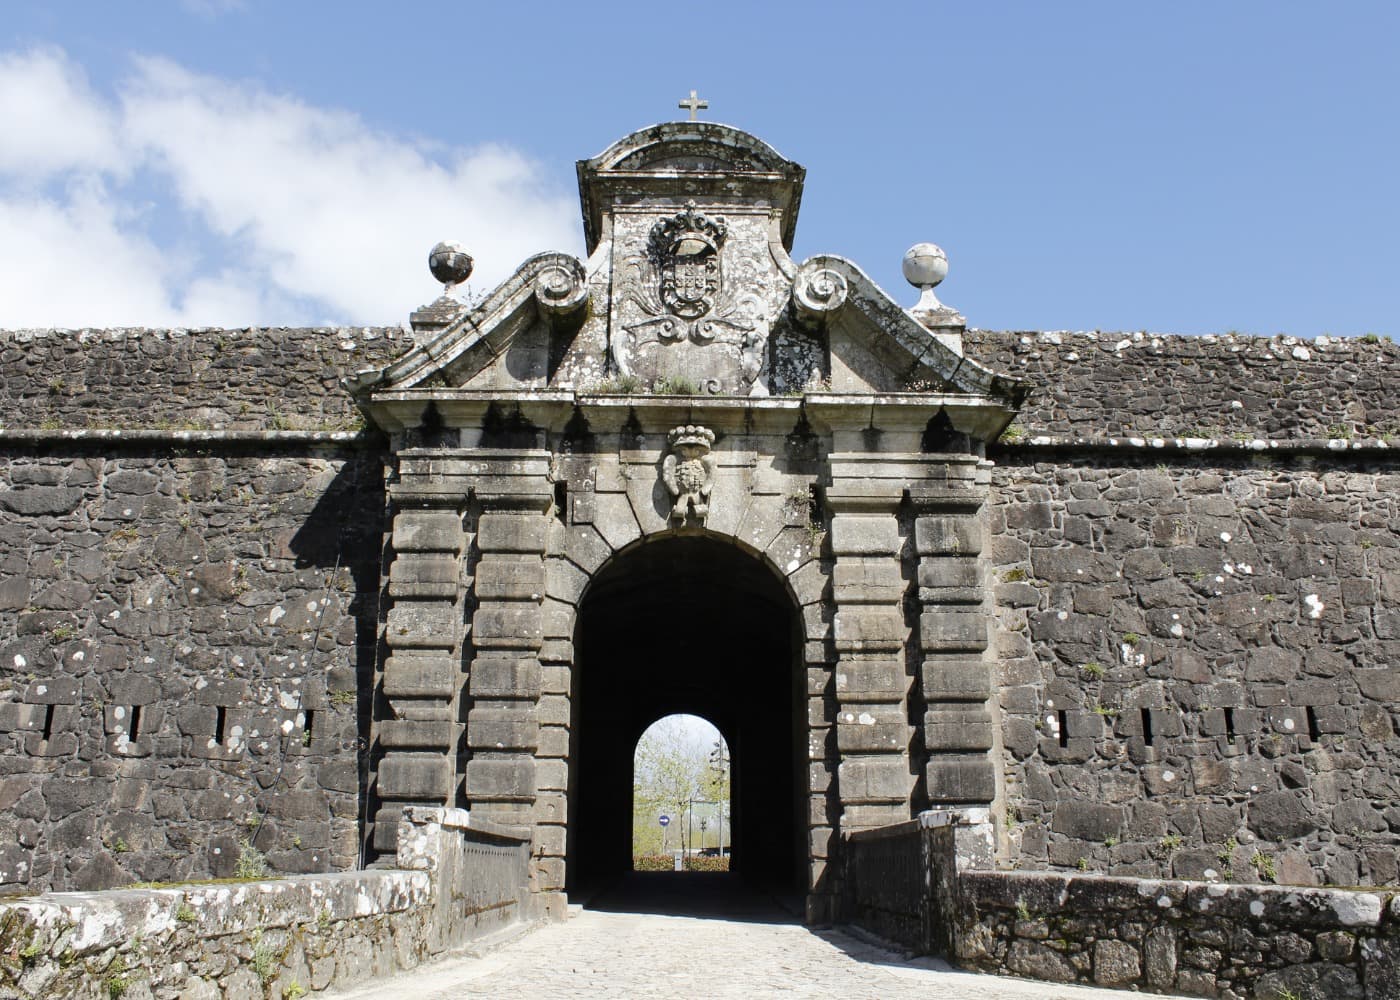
point(871, 737)
point(954, 778)
point(423, 625)
point(225, 692)
point(551, 807)
point(428, 531)
point(1281, 816)
point(1088, 820)
point(549, 841)
point(864, 534)
point(415, 777)
point(1116, 963)
point(1159, 954)
point(956, 679)
point(858, 679)
point(554, 742)
point(554, 672)
point(133, 689)
point(1073, 565)
point(427, 734)
point(877, 778)
point(867, 581)
point(869, 629)
point(510, 579)
point(492, 727)
point(505, 677)
point(502, 532)
point(942, 574)
point(950, 535)
point(564, 581)
point(501, 780)
point(17, 717)
point(425, 576)
point(422, 676)
point(61, 691)
point(957, 729)
point(1380, 685)
point(559, 619)
point(809, 581)
point(553, 710)
point(508, 626)
point(584, 547)
point(615, 521)
point(35, 501)
point(552, 775)
point(952, 631)
point(764, 520)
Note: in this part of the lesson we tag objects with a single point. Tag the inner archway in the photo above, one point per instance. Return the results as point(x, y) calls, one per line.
point(689, 624)
point(680, 797)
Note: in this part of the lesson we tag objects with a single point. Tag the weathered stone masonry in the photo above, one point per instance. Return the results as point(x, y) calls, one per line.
point(1154, 629)
point(188, 610)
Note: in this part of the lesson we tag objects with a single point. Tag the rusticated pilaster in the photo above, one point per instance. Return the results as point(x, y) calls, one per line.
point(507, 631)
point(956, 679)
point(419, 732)
point(872, 731)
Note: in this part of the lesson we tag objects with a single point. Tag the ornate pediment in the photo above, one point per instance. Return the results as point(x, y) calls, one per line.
point(689, 291)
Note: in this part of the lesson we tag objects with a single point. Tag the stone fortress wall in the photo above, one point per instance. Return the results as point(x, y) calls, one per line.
point(1197, 640)
point(191, 524)
point(190, 530)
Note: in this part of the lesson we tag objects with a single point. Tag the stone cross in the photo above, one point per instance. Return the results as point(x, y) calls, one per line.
point(694, 104)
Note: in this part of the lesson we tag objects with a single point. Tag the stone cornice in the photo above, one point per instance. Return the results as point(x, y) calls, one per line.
point(551, 410)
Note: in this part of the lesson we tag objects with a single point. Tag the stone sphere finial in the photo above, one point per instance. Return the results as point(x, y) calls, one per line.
point(925, 265)
point(450, 263)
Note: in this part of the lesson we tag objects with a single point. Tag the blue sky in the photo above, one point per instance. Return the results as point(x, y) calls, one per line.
point(1193, 167)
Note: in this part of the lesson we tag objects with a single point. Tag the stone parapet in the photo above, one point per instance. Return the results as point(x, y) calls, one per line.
point(458, 879)
point(928, 884)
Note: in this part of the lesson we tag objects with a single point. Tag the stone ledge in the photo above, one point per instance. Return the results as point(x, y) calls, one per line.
point(118, 435)
point(89, 922)
point(1192, 445)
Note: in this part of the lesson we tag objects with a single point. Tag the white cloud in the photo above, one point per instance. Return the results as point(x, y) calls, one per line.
point(51, 119)
point(310, 215)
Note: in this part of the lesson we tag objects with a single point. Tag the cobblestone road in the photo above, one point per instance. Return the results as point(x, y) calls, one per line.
point(753, 951)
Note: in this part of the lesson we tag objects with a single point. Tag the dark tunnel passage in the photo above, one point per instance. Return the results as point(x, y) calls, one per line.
point(693, 625)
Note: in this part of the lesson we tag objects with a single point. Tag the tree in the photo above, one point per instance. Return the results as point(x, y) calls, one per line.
point(672, 767)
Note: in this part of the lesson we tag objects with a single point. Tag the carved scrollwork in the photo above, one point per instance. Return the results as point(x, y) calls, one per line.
point(818, 294)
point(561, 289)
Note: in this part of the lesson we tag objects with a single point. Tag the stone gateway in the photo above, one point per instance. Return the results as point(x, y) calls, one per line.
point(766, 477)
point(1125, 604)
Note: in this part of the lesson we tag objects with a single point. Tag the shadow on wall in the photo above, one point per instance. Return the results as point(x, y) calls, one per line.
point(345, 528)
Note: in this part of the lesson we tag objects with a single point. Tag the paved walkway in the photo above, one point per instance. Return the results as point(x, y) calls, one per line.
point(618, 949)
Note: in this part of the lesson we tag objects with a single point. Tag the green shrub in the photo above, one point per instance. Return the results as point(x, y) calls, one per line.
point(667, 862)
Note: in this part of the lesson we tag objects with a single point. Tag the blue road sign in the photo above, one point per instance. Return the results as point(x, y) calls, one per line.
point(664, 820)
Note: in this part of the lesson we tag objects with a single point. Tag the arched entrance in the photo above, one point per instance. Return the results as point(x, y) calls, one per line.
point(689, 624)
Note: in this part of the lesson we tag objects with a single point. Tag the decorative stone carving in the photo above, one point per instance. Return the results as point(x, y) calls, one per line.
point(685, 252)
point(818, 294)
point(561, 289)
point(681, 320)
point(688, 472)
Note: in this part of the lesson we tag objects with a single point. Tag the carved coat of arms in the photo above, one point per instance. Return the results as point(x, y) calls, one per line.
point(677, 291)
point(688, 472)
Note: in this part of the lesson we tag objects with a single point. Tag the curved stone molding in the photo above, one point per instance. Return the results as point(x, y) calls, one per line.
point(561, 289)
point(818, 294)
point(428, 358)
